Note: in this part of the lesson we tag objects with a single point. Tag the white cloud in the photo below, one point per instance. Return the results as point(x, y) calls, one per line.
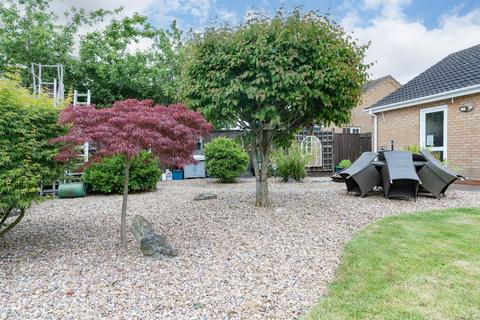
point(404, 47)
point(161, 12)
point(129, 7)
point(198, 8)
point(227, 16)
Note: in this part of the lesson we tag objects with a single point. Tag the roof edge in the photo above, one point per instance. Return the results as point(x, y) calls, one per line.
point(378, 81)
point(434, 97)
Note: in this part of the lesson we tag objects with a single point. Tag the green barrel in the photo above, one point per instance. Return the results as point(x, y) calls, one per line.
point(72, 190)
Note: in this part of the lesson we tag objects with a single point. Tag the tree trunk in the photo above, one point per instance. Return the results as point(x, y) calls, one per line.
point(123, 231)
point(11, 225)
point(261, 149)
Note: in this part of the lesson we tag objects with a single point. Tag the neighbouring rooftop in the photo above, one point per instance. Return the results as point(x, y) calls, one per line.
point(458, 70)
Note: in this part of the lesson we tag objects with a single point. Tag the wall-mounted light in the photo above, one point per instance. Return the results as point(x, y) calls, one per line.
point(466, 108)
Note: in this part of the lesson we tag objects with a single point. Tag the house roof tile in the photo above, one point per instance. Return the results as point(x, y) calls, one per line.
point(458, 70)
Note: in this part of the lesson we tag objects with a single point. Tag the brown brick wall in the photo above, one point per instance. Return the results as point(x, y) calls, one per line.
point(463, 145)
point(362, 119)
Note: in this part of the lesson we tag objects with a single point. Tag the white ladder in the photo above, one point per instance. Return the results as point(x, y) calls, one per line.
point(87, 101)
point(76, 95)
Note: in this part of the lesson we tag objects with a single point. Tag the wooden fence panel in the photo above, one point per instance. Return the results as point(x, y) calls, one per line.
point(336, 146)
point(350, 146)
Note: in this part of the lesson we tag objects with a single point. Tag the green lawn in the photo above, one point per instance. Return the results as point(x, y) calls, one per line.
point(411, 266)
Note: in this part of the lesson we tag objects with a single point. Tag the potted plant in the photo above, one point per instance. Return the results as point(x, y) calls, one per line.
point(344, 164)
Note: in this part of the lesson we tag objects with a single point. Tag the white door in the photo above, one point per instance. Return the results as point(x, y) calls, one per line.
point(433, 130)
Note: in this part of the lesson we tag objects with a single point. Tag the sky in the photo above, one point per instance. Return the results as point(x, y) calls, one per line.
point(406, 36)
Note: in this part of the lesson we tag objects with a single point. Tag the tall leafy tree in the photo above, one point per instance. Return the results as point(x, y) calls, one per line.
point(127, 58)
point(114, 66)
point(31, 32)
point(272, 76)
point(130, 126)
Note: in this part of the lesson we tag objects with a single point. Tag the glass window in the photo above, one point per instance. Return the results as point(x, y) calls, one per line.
point(434, 129)
point(351, 130)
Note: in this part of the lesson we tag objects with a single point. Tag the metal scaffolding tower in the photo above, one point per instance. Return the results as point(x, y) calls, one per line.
point(54, 88)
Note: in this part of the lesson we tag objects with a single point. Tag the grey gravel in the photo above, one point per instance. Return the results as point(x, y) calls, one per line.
point(234, 261)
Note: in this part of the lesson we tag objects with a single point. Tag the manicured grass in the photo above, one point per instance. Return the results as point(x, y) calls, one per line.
point(412, 266)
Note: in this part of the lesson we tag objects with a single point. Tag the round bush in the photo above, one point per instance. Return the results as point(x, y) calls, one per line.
point(345, 163)
point(225, 160)
point(106, 176)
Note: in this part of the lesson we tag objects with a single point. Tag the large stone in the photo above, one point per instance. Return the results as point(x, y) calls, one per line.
point(151, 244)
point(205, 196)
point(155, 246)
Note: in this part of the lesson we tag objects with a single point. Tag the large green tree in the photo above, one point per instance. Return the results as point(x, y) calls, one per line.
point(272, 76)
point(127, 58)
point(113, 69)
point(31, 32)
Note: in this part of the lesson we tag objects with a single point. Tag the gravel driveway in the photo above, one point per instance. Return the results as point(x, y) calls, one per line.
point(234, 262)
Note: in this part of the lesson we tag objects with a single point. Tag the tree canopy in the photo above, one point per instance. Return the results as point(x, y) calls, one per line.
point(31, 32)
point(272, 76)
point(127, 58)
point(110, 67)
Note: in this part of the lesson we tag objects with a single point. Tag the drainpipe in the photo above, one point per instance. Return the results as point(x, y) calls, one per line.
point(375, 130)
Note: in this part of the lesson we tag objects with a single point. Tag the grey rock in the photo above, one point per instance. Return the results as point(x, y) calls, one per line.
point(205, 196)
point(156, 246)
point(141, 228)
point(151, 244)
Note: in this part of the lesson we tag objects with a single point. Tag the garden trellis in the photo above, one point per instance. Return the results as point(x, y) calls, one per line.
point(312, 146)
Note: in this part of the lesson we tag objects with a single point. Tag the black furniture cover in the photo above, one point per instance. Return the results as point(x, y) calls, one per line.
point(435, 177)
point(399, 177)
point(361, 177)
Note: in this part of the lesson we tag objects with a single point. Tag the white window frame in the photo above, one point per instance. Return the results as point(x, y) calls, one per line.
point(423, 113)
point(351, 128)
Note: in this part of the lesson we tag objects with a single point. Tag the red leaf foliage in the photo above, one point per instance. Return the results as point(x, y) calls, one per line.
point(170, 132)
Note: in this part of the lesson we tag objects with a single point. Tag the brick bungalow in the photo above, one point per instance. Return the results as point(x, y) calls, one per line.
point(439, 109)
point(373, 91)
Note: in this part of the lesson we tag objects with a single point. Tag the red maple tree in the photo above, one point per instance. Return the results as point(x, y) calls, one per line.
point(129, 126)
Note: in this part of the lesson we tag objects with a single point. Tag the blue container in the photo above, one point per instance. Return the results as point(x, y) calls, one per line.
point(177, 174)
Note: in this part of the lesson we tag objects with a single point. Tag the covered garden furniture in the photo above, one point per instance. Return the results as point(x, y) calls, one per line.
point(399, 177)
point(400, 173)
point(362, 176)
point(435, 177)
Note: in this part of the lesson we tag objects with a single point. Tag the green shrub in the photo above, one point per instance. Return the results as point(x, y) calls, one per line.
point(344, 164)
point(414, 148)
point(106, 176)
point(27, 123)
point(225, 160)
point(290, 163)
